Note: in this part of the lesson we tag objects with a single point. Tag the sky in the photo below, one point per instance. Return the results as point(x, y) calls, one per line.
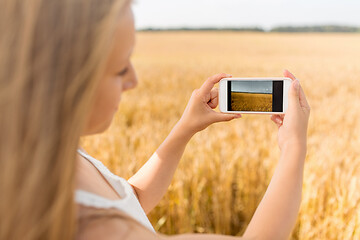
point(252, 86)
point(245, 13)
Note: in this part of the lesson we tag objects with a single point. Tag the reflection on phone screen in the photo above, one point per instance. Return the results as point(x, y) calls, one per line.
point(255, 96)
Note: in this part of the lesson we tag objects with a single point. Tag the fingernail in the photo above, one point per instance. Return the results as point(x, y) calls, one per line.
point(237, 116)
point(228, 75)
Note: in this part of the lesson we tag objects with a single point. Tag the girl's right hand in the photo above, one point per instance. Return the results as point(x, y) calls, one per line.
point(293, 125)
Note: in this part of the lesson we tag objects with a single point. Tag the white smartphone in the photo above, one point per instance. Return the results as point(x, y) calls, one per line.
point(254, 95)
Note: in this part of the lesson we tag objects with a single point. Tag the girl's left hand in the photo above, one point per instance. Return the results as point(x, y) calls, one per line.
point(199, 113)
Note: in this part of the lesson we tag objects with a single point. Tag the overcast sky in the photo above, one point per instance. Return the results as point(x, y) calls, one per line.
point(252, 86)
point(245, 13)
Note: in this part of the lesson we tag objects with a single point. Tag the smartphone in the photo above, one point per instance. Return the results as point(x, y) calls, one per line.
point(254, 95)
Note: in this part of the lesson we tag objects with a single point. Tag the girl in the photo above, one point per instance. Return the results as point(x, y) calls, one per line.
point(63, 69)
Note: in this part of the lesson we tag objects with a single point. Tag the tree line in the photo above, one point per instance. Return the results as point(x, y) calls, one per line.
point(289, 29)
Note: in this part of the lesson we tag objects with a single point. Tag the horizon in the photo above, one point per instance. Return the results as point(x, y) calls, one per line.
point(162, 14)
point(254, 28)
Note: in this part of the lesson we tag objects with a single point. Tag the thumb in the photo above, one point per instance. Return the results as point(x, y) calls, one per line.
point(294, 93)
point(225, 117)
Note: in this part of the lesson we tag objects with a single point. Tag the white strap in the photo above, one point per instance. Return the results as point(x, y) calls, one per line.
point(92, 200)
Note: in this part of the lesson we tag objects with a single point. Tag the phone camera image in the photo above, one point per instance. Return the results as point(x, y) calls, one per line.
point(255, 96)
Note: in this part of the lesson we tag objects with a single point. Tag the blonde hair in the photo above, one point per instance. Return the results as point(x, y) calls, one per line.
point(53, 54)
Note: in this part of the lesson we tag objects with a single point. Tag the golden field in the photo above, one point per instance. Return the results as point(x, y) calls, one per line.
point(226, 168)
point(258, 102)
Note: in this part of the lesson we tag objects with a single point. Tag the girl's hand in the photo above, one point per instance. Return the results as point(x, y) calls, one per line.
point(199, 113)
point(293, 125)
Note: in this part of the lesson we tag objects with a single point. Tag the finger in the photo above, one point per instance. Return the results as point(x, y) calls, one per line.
point(225, 117)
point(295, 87)
point(214, 98)
point(289, 74)
point(294, 94)
point(277, 119)
point(211, 81)
point(302, 98)
point(274, 117)
point(303, 101)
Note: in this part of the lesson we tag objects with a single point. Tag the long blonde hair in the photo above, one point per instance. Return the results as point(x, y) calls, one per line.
point(52, 55)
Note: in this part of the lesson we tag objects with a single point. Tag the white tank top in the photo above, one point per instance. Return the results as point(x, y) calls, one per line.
point(128, 204)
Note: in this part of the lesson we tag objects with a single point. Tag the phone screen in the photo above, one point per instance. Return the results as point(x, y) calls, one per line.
point(255, 96)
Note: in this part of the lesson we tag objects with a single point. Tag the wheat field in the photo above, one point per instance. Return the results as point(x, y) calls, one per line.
point(226, 168)
point(251, 102)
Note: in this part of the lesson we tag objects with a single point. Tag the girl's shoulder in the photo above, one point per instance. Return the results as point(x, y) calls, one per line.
point(109, 224)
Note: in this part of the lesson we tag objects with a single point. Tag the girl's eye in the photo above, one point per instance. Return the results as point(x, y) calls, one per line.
point(123, 72)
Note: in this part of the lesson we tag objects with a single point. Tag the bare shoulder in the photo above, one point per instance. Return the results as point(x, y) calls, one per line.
point(94, 224)
point(109, 225)
point(109, 229)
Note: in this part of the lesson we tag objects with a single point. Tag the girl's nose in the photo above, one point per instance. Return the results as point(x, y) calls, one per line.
point(130, 84)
